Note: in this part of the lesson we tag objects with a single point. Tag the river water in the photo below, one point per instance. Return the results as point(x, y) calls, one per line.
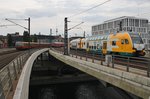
point(82, 90)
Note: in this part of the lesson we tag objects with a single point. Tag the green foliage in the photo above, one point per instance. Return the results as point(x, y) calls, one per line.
point(34, 38)
point(26, 36)
point(9, 40)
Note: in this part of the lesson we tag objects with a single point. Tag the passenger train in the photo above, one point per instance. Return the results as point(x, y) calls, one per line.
point(25, 45)
point(122, 43)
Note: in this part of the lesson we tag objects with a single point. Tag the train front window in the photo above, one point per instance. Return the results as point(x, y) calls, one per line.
point(126, 41)
point(136, 39)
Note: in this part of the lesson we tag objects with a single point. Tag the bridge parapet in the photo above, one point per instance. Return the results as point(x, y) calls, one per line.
point(9, 74)
point(133, 83)
point(22, 88)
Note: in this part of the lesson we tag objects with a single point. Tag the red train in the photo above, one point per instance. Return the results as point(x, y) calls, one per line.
point(25, 45)
point(57, 44)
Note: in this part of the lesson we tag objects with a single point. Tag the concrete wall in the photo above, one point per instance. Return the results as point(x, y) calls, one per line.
point(22, 88)
point(133, 83)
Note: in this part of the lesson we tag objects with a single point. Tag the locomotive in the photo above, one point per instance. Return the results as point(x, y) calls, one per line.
point(122, 43)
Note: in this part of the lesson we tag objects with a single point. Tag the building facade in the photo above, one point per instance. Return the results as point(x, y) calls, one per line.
point(149, 35)
point(130, 24)
point(3, 41)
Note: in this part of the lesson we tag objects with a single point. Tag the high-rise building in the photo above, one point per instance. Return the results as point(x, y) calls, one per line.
point(127, 23)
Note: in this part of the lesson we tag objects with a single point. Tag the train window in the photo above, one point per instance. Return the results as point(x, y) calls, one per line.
point(87, 45)
point(136, 39)
point(122, 41)
point(113, 43)
point(97, 46)
point(126, 41)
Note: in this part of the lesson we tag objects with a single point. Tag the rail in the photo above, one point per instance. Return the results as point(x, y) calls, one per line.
point(10, 73)
point(142, 65)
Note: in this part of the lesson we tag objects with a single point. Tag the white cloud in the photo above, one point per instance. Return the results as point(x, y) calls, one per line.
point(46, 14)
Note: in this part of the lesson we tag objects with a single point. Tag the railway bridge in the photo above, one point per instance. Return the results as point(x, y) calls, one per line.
point(134, 82)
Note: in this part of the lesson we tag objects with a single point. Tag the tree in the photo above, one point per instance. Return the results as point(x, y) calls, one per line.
point(34, 38)
point(25, 36)
point(9, 40)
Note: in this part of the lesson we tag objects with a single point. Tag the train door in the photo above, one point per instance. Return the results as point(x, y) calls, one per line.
point(104, 50)
point(94, 47)
point(87, 47)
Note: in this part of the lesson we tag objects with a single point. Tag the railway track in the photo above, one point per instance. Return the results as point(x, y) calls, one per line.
point(7, 52)
point(135, 62)
point(6, 58)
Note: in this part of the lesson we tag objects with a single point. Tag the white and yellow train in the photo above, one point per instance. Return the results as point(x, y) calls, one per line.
point(126, 44)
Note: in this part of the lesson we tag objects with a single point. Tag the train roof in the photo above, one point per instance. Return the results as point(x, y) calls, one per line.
point(75, 40)
point(105, 37)
point(98, 37)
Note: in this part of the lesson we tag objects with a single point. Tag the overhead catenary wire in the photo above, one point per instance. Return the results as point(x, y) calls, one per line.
point(88, 9)
point(16, 24)
point(75, 26)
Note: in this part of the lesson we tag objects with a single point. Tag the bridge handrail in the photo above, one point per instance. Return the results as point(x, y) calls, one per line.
point(9, 73)
point(22, 88)
point(128, 62)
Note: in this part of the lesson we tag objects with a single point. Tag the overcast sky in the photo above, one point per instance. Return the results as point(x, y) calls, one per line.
point(46, 14)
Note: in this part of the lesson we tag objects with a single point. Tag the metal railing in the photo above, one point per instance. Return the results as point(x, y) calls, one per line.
point(113, 60)
point(9, 74)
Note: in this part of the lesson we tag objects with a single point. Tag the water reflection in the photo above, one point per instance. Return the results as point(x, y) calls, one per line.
point(47, 93)
point(86, 90)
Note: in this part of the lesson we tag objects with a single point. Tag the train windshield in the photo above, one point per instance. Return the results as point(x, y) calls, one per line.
point(136, 39)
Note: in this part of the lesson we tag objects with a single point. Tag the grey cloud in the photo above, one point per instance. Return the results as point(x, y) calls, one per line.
point(37, 13)
point(129, 10)
point(139, 1)
point(63, 6)
point(5, 13)
point(44, 2)
point(70, 6)
point(94, 18)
